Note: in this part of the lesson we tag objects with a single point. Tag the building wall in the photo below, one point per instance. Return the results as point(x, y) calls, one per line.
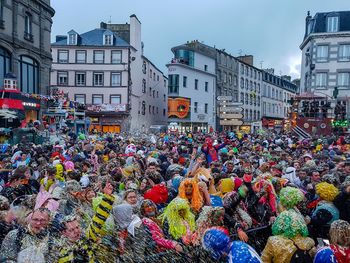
point(37, 45)
point(332, 66)
point(199, 95)
point(250, 85)
point(89, 68)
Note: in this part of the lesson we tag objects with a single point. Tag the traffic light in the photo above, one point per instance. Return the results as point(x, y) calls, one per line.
point(335, 92)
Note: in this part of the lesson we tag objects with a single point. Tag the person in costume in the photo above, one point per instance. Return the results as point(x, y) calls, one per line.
point(149, 219)
point(339, 249)
point(290, 234)
point(178, 221)
point(325, 212)
point(189, 190)
point(236, 219)
point(220, 247)
point(209, 217)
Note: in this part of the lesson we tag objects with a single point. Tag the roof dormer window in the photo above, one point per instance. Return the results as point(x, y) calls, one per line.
point(333, 23)
point(108, 40)
point(72, 38)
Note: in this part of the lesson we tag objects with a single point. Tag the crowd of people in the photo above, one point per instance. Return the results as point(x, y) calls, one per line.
point(219, 197)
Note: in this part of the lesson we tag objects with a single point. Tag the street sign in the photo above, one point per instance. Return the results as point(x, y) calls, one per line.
point(231, 122)
point(229, 103)
point(224, 98)
point(231, 109)
point(231, 116)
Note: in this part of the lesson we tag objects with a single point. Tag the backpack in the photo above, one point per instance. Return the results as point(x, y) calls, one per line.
point(300, 256)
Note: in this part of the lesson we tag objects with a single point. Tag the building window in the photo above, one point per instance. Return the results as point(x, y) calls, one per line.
point(251, 85)
point(80, 56)
point(195, 107)
point(154, 93)
point(115, 99)
point(157, 77)
point(150, 73)
point(28, 33)
point(72, 39)
point(164, 98)
point(62, 78)
point(205, 67)
point(184, 81)
point(332, 24)
point(150, 91)
point(225, 77)
point(173, 83)
point(80, 98)
point(1, 13)
point(235, 81)
point(5, 63)
point(219, 75)
point(196, 84)
point(149, 109)
point(98, 79)
point(108, 40)
point(97, 99)
point(143, 86)
point(153, 110)
point(116, 57)
point(206, 108)
point(230, 79)
point(116, 79)
point(246, 98)
point(242, 68)
point(242, 83)
point(62, 56)
point(154, 76)
point(344, 52)
point(144, 67)
point(246, 84)
point(206, 86)
point(98, 56)
point(164, 111)
point(242, 97)
point(343, 79)
point(157, 110)
point(157, 94)
point(246, 71)
point(28, 75)
point(246, 116)
point(322, 53)
point(143, 111)
point(321, 79)
point(80, 79)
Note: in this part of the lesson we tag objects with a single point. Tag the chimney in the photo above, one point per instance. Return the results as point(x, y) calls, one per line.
point(307, 21)
point(103, 25)
point(249, 59)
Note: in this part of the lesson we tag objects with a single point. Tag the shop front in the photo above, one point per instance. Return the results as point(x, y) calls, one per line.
point(107, 118)
point(31, 109)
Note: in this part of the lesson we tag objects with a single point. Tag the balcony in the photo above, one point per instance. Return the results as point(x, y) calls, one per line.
point(28, 36)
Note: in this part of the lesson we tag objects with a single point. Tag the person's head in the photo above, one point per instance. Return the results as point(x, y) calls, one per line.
point(148, 208)
point(152, 167)
point(39, 220)
point(130, 197)
point(230, 166)
point(289, 224)
point(23, 156)
point(340, 233)
point(347, 167)
point(90, 194)
point(296, 165)
point(72, 230)
point(315, 176)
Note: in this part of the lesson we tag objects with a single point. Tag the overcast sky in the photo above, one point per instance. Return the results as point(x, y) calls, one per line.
point(271, 30)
